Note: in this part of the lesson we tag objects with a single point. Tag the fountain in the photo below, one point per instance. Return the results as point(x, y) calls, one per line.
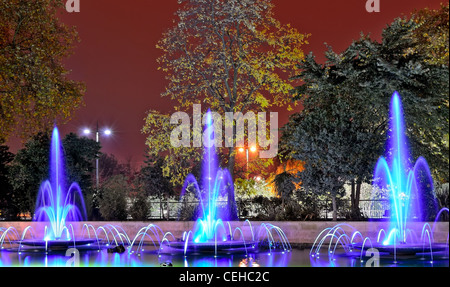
point(409, 187)
point(212, 231)
point(57, 205)
point(59, 208)
point(215, 183)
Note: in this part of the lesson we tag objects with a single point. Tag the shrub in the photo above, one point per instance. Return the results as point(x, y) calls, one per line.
point(139, 209)
point(188, 207)
point(113, 203)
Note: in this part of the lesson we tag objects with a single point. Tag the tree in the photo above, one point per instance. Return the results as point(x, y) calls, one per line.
point(153, 180)
point(79, 155)
point(177, 161)
point(284, 186)
point(34, 88)
point(424, 88)
point(431, 34)
point(109, 166)
point(249, 188)
point(232, 55)
point(30, 168)
point(321, 144)
point(139, 209)
point(5, 186)
point(113, 200)
point(342, 130)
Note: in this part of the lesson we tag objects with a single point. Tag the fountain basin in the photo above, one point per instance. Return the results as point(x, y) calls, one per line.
point(57, 243)
point(211, 246)
point(404, 249)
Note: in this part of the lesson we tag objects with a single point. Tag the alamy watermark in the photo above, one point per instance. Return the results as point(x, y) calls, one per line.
point(74, 261)
point(73, 6)
point(374, 260)
point(230, 128)
point(373, 6)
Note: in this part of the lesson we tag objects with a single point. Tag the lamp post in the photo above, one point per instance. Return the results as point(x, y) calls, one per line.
point(106, 132)
point(252, 149)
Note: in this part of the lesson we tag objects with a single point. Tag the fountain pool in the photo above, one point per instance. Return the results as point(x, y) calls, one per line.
point(151, 258)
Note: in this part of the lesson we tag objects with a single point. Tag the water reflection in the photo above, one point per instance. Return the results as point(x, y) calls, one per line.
point(296, 258)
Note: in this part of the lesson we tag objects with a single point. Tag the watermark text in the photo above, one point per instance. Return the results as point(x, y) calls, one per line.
point(226, 131)
point(73, 6)
point(373, 6)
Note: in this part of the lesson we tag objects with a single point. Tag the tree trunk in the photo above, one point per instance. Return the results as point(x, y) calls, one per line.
point(161, 211)
point(357, 196)
point(354, 198)
point(168, 208)
point(231, 161)
point(232, 151)
point(333, 198)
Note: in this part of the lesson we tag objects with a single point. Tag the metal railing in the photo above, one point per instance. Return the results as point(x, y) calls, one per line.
point(175, 210)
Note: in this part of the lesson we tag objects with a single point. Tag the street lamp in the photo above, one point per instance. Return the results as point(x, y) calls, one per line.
point(252, 149)
point(106, 132)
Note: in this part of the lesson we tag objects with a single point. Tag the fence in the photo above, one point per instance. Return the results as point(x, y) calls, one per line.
point(173, 210)
point(373, 209)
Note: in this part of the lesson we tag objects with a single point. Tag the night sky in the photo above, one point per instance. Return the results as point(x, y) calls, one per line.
point(116, 57)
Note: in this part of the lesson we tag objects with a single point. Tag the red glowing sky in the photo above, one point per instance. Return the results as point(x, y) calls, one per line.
point(116, 57)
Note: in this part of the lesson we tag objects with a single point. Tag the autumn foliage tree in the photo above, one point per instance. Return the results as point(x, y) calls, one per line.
point(231, 56)
point(34, 88)
point(431, 34)
point(177, 161)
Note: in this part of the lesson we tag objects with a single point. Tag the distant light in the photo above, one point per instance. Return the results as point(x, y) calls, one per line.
point(258, 178)
point(253, 149)
point(241, 149)
point(107, 132)
point(86, 131)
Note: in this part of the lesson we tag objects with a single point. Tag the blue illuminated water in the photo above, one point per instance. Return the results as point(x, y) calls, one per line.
point(295, 258)
point(212, 236)
point(216, 184)
point(212, 242)
point(405, 181)
point(409, 186)
point(56, 203)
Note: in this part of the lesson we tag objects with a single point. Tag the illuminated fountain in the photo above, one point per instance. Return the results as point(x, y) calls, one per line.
point(407, 184)
point(216, 183)
point(57, 206)
point(410, 189)
point(61, 212)
point(212, 231)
